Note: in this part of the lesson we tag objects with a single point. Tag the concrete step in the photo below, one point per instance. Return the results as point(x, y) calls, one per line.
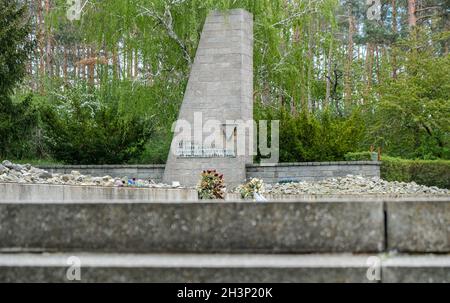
point(46, 193)
point(193, 227)
point(320, 226)
point(258, 268)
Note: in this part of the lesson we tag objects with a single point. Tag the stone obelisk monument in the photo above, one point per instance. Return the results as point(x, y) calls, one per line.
point(220, 87)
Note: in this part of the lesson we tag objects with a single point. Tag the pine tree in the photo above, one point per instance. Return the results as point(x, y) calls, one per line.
point(15, 47)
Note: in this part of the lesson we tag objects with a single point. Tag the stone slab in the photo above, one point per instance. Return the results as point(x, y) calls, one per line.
point(272, 227)
point(185, 268)
point(29, 193)
point(265, 171)
point(417, 269)
point(221, 268)
point(418, 226)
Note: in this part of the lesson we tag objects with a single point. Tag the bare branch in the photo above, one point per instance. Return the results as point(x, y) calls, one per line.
point(167, 22)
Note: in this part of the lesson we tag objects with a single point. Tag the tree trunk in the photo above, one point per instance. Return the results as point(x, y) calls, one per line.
point(48, 50)
point(310, 66)
point(394, 30)
point(83, 67)
point(65, 65)
point(40, 44)
point(348, 68)
point(119, 65)
point(328, 89)
point(129, 61)
point(412, 13)
point(293, 107)
point(91, 66)
point(114, 63)
point(56, 63)
point(369, 66)
point(76, 69)
point(377, 52)
point(136, 63)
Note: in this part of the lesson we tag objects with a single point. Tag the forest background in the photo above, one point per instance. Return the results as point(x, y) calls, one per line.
point(107, 87)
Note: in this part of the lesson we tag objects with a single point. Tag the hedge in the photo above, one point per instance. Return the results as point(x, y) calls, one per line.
point(426, 172)
point(359, 156)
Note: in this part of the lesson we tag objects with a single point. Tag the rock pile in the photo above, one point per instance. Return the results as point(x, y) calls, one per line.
point(25, 173)
point(353, 185)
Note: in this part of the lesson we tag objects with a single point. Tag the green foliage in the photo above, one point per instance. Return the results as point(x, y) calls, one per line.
point(19, 131)
point(412, 119)
point(156, 149)
point(83, 128)
point(248, 189)
point(300, 57)
point(17, 120)
point(167, 33)
point(426, 172)
point(360, 156)
point(211, 185)
point(318, 137)
point(15, 46)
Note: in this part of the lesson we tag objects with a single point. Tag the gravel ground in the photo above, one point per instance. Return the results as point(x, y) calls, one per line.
point(11, 172)
point(353, 185)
